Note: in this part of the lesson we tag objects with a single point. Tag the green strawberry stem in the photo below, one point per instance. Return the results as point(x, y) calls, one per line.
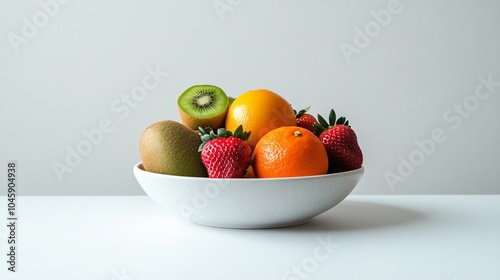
point(332, 117)
point(332, 121)
point(301, 112)
point(208, 134)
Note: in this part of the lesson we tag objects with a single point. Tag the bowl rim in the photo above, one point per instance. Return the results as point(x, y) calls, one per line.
point(138, 168)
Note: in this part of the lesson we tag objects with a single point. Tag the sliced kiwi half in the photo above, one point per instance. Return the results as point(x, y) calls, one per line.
point(203, 106)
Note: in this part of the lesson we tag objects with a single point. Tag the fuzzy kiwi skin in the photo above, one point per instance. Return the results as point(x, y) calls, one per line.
point(193, 123)
point(168, 147)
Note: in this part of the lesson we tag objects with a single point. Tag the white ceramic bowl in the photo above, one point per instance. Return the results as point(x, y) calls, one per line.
point(248, 203)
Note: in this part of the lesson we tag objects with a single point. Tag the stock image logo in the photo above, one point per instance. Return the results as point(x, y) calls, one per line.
point(310, 264)
point(32, 26)
point(222, 7)
point(121, 108)
point(454, 117)
point(122, 274)
point(372, 29)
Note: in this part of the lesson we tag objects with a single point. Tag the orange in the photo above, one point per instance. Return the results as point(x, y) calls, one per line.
point(259, 111)
point(289, 151)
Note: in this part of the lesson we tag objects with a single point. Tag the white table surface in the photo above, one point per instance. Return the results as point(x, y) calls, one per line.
point(364, 237)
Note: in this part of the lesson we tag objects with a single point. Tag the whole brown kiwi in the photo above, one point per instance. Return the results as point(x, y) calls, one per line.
point(168, 147)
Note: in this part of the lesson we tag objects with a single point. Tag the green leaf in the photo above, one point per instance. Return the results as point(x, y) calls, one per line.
point(239, 131)
point(322, 121)
point(203, 130)
point(317, 129)
point(347, 124)
point(301, 112)
point(206, 137)
point(332, 117)
point(200, 148)
point(341, 120)
point(247, 135)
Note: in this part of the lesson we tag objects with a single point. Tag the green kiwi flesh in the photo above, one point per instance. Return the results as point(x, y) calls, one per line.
point(203, 101)
point(203, 105)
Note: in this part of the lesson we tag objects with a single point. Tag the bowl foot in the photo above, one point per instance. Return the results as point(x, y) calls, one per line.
point(251, 226)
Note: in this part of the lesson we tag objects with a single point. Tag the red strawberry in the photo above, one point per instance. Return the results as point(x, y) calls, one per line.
point(225, 155)
point(340, 142)
point(305, 120)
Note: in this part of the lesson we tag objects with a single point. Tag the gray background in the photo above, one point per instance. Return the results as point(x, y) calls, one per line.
point(70, 73)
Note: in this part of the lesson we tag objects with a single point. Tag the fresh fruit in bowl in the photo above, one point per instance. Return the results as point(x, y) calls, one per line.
point(167, 147)
point(247, 162)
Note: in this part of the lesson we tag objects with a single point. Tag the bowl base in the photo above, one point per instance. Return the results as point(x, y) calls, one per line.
point(251, 226)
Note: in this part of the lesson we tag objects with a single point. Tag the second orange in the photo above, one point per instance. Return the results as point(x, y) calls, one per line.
point(259, 111)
